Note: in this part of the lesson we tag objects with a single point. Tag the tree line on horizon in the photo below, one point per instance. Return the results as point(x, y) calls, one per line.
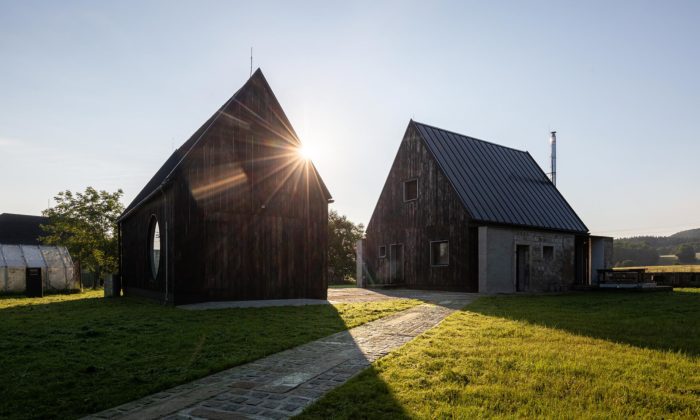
point(647, 250)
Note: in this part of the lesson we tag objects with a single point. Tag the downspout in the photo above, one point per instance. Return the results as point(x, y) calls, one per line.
point(121, 261)
point(6, 268)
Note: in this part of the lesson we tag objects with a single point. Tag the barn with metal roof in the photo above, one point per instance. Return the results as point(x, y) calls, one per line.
point(459, 213)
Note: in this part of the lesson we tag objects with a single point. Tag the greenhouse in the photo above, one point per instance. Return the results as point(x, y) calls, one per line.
point(57, 270)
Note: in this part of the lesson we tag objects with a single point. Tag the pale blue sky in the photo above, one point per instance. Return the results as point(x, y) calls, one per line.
point(98, 93)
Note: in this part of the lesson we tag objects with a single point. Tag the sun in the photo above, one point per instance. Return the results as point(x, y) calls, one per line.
point(306, 152)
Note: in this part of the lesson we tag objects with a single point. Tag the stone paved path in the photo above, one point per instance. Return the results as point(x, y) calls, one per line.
point(282, 385)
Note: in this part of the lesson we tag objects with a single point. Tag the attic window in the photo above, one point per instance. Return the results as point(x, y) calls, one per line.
point(382, 251)
point(439, 253)
point(410, 190)
point(547, 253)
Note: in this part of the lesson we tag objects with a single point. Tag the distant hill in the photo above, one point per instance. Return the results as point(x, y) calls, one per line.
point(691, 234)
point(645, 250)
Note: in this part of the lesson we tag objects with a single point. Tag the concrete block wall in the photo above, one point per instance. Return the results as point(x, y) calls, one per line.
point(497, 260)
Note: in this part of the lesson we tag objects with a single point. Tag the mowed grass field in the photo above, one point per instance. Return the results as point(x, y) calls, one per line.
point(666, 268)
point(605, 355)
point(65, 356)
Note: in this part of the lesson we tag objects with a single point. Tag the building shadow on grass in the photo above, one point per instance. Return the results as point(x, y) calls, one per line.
point(668, 321)
point(363, 394)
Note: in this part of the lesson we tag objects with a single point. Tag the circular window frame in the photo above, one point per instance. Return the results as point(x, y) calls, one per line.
point(153, 268)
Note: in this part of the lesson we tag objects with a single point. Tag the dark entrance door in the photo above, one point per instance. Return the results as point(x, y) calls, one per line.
point(396, 264)
point(34, 287)
point(582, 259)
point(522, 268)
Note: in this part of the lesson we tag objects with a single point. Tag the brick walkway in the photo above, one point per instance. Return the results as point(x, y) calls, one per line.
point(282, 385)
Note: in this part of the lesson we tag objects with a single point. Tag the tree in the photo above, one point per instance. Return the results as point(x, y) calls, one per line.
point(637, 253)
point(686, 253)
point(342, 235)
point(86, 224)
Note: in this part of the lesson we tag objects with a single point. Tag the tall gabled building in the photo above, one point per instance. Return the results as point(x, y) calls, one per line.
point(458, 213)
point(235, 213)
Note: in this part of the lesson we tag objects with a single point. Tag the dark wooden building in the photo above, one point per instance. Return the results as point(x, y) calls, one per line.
point(236, 213)
point(458, 213)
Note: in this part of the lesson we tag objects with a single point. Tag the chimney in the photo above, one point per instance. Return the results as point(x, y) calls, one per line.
point(553, 144)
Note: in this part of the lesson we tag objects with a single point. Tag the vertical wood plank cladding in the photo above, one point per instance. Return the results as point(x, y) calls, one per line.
point(245, 222)
point(437, 214)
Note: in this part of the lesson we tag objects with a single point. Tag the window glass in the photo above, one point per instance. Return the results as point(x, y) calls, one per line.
point(440, 253)
point(548, 253)
point(154, 250)
point(410, 190)
point(382, 251)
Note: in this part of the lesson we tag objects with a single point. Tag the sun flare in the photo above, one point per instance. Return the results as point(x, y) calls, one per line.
point(306, 152)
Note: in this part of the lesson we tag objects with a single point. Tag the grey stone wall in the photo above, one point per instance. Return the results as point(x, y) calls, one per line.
point(497, 260)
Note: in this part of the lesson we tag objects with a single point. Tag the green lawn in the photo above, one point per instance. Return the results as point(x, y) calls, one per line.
point(71, 355)
point(607, 354)
point(688, 268)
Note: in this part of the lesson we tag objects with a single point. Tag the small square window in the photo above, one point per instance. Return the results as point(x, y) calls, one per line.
point(382, 251)
point(410, 190)
point(547, 253)
point(439, 253)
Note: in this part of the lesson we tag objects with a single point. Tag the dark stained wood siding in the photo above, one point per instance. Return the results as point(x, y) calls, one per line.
point(249, 217)
point(436, 215)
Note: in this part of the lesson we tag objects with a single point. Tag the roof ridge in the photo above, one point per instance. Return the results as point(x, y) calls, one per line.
point(469, 137)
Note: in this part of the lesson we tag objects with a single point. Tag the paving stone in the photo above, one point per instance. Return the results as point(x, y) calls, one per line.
point(250, 410)
point(243, 384)
point(290, 407)
point(213, 415)
point(270, 404)
point(272, 415)
point(253, 401)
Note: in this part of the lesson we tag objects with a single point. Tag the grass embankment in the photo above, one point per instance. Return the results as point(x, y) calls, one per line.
point(620, 355)
point(665, 268)
point(71, 355)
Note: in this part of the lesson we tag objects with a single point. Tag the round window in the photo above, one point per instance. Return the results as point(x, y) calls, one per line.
point(154, 248)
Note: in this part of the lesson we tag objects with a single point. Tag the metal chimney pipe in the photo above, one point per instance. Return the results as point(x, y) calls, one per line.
point(553, 144)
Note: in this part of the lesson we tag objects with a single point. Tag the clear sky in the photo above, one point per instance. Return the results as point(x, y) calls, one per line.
point(98, 93)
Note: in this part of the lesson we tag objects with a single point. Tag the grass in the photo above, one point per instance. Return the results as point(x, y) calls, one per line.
point(63, 356)
point(342, 286)
point(666, 268)
point(619, 355)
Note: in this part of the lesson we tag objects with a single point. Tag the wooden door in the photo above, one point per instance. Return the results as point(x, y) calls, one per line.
point(522, 268)
point(396, 264)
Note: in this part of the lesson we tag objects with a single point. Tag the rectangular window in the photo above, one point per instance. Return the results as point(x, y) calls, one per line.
point(439, 253)
point(547, 253)
point(410, 190)
point(382, 251)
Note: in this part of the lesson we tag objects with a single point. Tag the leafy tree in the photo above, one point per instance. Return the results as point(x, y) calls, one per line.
point(85, 223)
point(686, 253)
point(342, 235)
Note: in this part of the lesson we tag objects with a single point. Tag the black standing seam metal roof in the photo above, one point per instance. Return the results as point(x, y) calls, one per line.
point(21, 229)
point(499, 184)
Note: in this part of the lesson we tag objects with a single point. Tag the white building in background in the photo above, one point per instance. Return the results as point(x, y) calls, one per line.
point(20, 249)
